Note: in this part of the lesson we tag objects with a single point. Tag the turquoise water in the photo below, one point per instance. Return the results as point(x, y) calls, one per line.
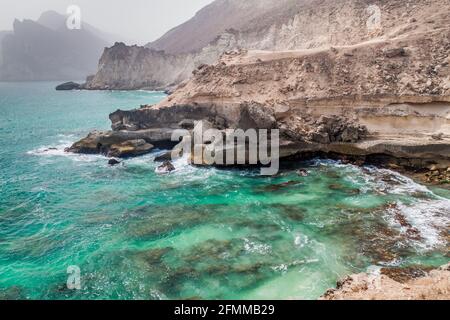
point(196, 233)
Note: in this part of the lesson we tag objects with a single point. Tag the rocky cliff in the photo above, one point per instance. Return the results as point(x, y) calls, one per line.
point(258, 25)
point(386, 98)
point(123, 67)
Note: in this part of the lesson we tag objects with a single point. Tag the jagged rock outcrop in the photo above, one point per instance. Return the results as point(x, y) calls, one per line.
point(394, 284)
point(129, 148)
point(269, 25)
point(123, 67)
point(119, 144)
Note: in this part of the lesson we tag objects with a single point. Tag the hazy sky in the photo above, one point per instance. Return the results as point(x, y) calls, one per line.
point(140, 20)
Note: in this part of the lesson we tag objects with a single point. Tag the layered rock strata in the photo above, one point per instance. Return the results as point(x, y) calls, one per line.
point(387, 98)
point(274, 25)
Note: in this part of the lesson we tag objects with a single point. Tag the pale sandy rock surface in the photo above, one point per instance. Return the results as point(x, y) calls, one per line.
point(434, 285)
point(272, 25)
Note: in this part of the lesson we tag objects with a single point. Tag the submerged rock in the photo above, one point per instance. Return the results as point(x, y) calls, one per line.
point(292, 212)
point(279, 187)
point(153, 257)
point(12, 293)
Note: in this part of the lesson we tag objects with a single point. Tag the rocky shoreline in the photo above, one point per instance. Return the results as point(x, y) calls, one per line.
point(413, 283)
point(318, 101)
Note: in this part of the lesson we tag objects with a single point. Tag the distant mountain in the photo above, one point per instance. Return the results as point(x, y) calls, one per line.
point(2, 35)
point(46, 50)
point(220, 26)
point(55, 21)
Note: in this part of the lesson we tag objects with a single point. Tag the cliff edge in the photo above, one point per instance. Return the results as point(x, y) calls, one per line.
point(385, 100)
point(270, 25)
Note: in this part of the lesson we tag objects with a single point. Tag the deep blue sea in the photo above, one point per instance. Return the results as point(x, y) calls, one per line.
point(198, 232)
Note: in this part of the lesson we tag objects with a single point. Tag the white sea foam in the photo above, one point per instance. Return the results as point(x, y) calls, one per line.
point(255, 247)
point(429, 214)
point(58, 151)
point(431, 218)
point(301, 240)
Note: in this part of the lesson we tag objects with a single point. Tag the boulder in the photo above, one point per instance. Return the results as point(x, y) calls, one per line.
point(166, 156)
point(166, 167)
point(337, 129)
point(113, 162)
point(254, 115)
point(281, 111)
point(394, 52)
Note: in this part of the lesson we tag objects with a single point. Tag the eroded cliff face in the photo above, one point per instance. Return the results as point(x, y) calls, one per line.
point(386, 99)
point(398, 90)
point(123, 67)
point(275, 26)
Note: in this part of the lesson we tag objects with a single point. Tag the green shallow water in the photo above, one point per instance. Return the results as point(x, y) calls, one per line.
point(196, 233)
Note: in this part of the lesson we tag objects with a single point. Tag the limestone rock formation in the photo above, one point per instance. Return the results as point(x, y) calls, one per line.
point(116, 144)
point(129, 148)
point(227, 26)
point(386, 97)
point(397, 284)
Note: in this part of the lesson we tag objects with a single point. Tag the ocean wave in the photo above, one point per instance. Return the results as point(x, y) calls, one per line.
point(393, 182)
point(424, 219)
point(373, 179)
point(59, 151)
point(424, 223)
